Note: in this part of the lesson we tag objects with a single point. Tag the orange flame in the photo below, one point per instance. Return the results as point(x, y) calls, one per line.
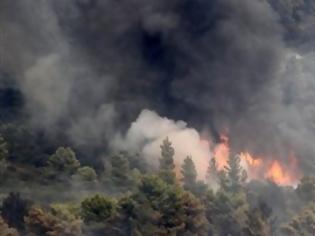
point(277, 174)
point(284, 175)
point(273, 169)
point(221, 151)
point(250, 160)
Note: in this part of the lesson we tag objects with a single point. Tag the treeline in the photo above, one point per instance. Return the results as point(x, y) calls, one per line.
point(129, 197)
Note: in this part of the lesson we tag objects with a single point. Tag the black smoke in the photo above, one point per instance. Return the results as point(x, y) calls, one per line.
point(180, 56)
point(88, 67)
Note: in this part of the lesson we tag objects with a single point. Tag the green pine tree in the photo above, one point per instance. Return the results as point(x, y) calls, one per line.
point(120, 170)
point(235, 174)
point(212, 172)
point(167, 164)
point(64, 161)
point(189, 174)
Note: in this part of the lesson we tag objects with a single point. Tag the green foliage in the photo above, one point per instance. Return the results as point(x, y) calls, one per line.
point(86, 173)
point(229, 213)
point(38, 222)
point(189, 174)
point(151, 205)
point(66, 211)
point(189, 178)
point(24, 145)
point(152, 187)
point(97, 208)
point(226, 212)
point(167, 164)
point(213, 174)
point(235, 176)
point(120, 171)
point(258, 221)
point(182, 213)
point(200, 189)
point(167, 153)
point(302, 224)
point(64, 161)
point(14, 209)
point(161, 209)
point(136, 162)
point(306, 188)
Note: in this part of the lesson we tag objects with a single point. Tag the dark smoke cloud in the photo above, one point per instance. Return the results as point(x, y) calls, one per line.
point(297, 17)
point(88, 67)
point(207, 55)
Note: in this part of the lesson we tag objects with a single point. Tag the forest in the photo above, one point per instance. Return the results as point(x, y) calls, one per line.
point(125, 196)
point(157, 118)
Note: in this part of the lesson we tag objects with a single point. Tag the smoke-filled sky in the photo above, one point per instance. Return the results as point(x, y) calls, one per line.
point(89, 68)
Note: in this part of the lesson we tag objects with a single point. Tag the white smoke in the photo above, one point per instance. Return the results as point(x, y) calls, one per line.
point(51, 95)
point(149, 130)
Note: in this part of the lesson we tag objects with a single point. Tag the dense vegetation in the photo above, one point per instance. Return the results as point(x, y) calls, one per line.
point(55, 194)
point(75, 74)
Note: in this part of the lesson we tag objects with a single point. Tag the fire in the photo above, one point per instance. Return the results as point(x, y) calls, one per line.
point(250, 160)
point(253, 165)
point(277, 174)
point(272, 169)
point(221, 151)
point(257, 167)
point(284, 175)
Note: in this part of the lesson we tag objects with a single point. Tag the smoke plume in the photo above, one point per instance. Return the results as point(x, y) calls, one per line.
point(148, 132)
point(87, 68)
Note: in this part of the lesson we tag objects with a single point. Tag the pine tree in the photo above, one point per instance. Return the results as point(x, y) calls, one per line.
point(86, 174)
point(97, 208)
point(161, 209)
point(235, 174)
point(167, 152)
point(189, 174)
point(213, 174)
point(120, 170)
point(64, 161)
point(167, 165)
